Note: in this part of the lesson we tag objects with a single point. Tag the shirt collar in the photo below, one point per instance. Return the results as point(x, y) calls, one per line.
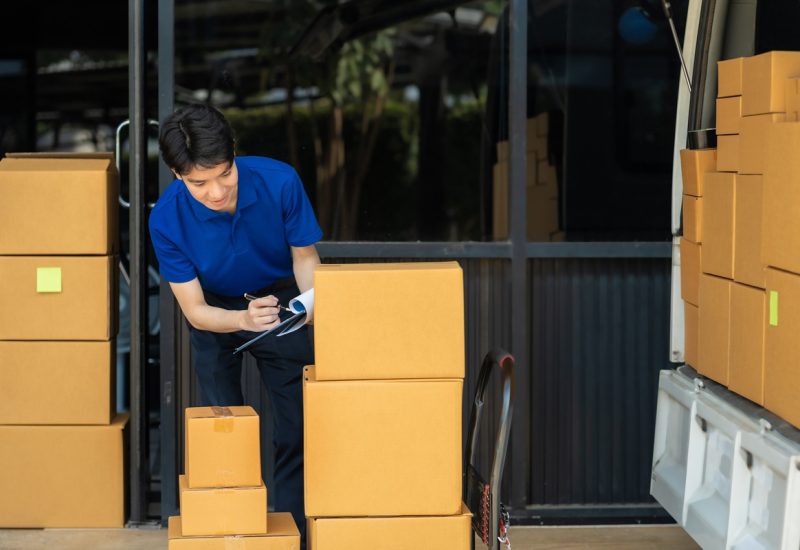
point(246, 196)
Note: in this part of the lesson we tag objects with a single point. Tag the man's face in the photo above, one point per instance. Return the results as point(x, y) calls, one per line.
point(215, 188)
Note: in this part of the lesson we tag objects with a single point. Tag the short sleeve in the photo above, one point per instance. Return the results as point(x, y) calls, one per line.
point(173, 264)
point(300, 224)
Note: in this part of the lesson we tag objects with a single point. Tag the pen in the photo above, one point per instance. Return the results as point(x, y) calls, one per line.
point(250, 298)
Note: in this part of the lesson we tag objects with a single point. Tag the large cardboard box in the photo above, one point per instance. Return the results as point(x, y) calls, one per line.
point(764, 81)
point(691, 329)
point(781, 211)
point(393, 320)
point(715, 328)
point(782, 346)
point(382, 447)
point(728, 153)
point(57, 382)
point(729, 77)
point(222, 447)
point(63, 476)
point(729, 113)
point(58, 297)
point(223, 510)
point(395, 533)
point(693, 218)
point(719, 205)
point(752, 141)
point(691, 266)
point(282, 535)
point(748, 310)
point(59, 204)
point(748, 265)
point(695, 163)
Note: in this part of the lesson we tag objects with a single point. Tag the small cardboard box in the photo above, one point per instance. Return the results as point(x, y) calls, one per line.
point(729, 114)
point(691, 266)
point(59, 204)
point(714, 328)
point(728, 153)
point(411, 532)
point(223, 511)
point(719, 205)
point(63, 476)
point(780, 241)
point(764, 81)
point(222, 447)
point(748, 325)
point(392, 320)
point(752, 141)
point(282, 535)
point(748, 265)
point(695, 163)
point(59, 297)
point(382, 447)
point(729, 77)
point(57, 382)
point(693, 218)
point(690, 323)
point(782, 346)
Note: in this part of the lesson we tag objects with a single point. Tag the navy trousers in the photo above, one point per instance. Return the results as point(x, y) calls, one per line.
point(280, 362)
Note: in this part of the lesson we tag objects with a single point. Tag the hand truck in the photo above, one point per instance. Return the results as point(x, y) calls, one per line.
point(490, 519)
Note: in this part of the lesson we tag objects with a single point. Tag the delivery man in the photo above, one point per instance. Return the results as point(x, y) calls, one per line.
point(225, 227)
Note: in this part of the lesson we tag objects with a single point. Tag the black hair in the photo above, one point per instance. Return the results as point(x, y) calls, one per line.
point(196, 135)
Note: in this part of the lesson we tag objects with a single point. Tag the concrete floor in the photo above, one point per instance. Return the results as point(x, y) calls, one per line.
point(654, 537)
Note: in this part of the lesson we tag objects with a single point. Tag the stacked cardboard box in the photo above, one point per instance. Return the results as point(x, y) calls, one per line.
point(749, 219)
point(223, 498)
point(382, 408)
point(542, 185)
point(58, 240)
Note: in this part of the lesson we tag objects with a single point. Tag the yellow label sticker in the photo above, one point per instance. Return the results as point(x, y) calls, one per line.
point(773, 308)
point(48, 279)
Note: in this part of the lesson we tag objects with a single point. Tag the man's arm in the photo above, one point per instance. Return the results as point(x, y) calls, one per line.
point(260, 315)
point(304, 260)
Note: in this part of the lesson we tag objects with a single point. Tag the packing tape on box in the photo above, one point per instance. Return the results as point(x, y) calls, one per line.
point(234, 542)
point(223, 419)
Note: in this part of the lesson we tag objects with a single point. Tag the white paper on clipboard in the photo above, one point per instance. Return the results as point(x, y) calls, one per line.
point(303, 309)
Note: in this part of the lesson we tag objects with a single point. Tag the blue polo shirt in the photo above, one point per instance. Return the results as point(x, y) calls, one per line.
point(243, 252)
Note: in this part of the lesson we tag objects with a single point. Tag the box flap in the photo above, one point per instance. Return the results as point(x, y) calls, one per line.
point(61, 155)
point(56, 164)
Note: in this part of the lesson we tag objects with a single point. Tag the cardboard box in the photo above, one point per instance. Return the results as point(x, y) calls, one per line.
point(691, 266)
point(542, 219)
point(57, 382)
point(382, 447)
point(752, 141)
point(282, 535)
point(222, 447)
point(406, 533)
point(729, 113)
point(58, 297)
point(714, 328)
point(781, 209)
point(694, 166)
point(59, 204)
point(764, 81)
point(500, 201)
point(691, 332)
point(748, 265)
point(693, 218)
point(782, 345)
point(792, 98)
point(729, 77)
point(223, 511)
point(748, 322)
point(63, 476)
point(728, 153)
point(546, 175)
point(719, 205)
point(391, 320)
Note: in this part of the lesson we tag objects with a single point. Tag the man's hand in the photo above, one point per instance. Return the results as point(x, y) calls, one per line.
point(261, 314)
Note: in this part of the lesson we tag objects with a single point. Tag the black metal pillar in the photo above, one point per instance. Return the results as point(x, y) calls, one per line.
point(517, 124)
point(170, 416)
point(138, 358)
